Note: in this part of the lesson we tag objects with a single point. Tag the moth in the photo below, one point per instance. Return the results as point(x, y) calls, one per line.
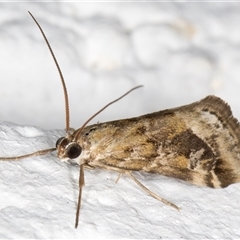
point(198, 143)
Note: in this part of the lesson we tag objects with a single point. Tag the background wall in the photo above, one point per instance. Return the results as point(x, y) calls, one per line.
point(180, 52)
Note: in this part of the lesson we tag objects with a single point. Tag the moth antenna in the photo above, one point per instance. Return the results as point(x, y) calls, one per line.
point(59, 71)
point(94, 115)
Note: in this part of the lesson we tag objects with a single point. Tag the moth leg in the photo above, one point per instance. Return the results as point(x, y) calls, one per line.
point(119, 176)
point(152, 193)
point(35, 154)
point(81, 185)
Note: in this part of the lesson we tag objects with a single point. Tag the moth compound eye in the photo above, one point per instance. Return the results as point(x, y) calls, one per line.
point(62, 142)
point(59, 141)
point(73, 150)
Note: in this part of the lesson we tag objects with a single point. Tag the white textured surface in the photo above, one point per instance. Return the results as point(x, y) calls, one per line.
point(180, 52)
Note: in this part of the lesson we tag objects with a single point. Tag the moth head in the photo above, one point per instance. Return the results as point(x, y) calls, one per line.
point(68, 149)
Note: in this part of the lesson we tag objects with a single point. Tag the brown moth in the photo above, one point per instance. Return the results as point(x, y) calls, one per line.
point(198, 143)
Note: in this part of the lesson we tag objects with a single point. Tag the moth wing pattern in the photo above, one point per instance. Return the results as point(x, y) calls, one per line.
point(221, 132)
point(197, 143)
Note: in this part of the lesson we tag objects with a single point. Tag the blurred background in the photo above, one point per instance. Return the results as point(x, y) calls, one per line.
point(180, 52)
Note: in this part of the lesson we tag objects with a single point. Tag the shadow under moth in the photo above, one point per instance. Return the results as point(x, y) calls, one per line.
point(198, 143)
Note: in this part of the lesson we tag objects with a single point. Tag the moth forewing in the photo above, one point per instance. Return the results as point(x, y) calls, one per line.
point(197, 143)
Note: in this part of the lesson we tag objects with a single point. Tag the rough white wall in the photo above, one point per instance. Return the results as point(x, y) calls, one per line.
point(180, 52)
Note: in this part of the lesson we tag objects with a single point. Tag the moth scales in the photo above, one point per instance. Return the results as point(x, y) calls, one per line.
point(197, 143)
